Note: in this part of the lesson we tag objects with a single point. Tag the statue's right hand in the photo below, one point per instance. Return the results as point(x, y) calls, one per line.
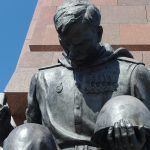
point(122, 136)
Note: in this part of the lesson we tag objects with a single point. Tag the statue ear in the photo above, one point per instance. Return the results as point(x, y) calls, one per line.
point(63, 45)
point(100, 33)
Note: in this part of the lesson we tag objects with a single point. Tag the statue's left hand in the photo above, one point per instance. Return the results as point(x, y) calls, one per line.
point(122, 136)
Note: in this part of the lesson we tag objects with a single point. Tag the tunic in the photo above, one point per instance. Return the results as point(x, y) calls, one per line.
point(68, 99)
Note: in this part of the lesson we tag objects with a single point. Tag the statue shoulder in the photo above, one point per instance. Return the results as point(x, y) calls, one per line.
point(50, 67)
point(43, 70)
point(130, 60)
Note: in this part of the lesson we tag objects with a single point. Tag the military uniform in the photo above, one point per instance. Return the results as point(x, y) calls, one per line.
point(67, 99)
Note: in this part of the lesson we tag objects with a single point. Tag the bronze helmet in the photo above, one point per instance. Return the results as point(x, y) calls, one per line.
point(117, 108)
point(30, 136)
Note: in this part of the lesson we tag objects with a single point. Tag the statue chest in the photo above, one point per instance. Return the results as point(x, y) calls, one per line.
point(80, 95)
point(92, 87)
point(72, 100)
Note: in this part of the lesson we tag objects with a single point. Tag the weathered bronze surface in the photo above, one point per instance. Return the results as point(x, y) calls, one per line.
point(132, 117)
point(68, 96)
point(30, 137)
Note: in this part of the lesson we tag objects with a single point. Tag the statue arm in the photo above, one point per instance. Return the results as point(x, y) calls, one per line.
point(33, 113)
point(140, 84)
point(122, 135)
point(140, 88)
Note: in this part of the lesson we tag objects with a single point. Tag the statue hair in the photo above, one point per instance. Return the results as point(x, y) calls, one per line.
point(73, 11)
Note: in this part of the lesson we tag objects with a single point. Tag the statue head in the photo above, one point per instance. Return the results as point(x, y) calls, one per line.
point(30, 137)
point(78, 26)
point(118, 108)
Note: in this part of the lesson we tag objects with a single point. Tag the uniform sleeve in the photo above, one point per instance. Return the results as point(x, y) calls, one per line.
point(140, 84)
point(33, 113)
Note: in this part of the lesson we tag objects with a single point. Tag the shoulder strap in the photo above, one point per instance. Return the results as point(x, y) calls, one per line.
point(51, 66)
point(126, 59)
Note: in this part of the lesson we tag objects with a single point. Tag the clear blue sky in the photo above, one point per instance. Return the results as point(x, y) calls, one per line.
point(15, 18)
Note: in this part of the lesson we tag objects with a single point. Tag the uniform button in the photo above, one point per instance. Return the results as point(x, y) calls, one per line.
point(59, 87)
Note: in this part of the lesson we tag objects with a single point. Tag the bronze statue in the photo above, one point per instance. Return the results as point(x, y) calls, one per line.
point(68, 96)
point(29, 137)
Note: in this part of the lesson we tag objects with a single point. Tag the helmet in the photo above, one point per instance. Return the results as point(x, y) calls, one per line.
point(30, 136)
point(117, 108)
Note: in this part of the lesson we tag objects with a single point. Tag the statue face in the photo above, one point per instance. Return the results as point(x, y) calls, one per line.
point(79, 42)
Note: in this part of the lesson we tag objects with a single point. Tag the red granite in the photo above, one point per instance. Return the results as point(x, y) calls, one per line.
point(132, 2)
point(56, 2)
point(138, 55)
point(146, 58)
point(111, 34)
point(148, 13)
point(137, 34)
point(123, 14)
point(104, 2)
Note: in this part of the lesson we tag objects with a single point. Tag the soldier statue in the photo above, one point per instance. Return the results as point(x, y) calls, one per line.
point(68, 96)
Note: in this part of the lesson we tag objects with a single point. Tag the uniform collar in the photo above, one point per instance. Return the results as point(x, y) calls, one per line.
point(106, 54)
